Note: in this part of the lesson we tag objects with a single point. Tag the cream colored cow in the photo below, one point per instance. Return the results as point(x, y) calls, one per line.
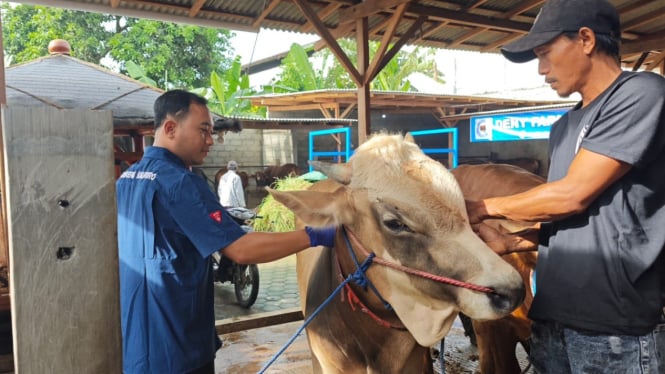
point(407, 209)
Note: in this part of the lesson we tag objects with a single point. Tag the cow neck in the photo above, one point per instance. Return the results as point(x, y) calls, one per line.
point(352, 296)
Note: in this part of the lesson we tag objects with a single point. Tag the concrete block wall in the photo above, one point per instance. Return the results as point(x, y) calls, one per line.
point(246, 147)
point(252, 149)
point(278, 147)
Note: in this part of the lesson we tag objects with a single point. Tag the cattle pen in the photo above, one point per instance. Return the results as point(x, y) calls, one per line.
point(252, 336)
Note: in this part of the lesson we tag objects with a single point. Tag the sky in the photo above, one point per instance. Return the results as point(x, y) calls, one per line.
point(257, 46)
point(465, 73)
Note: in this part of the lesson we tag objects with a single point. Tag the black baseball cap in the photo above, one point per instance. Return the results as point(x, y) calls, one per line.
point(559, 16)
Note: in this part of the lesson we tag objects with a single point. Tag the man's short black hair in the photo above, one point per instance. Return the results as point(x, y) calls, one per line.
point(175, 103)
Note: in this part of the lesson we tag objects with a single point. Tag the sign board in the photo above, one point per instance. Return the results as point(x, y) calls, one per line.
point(514, 126)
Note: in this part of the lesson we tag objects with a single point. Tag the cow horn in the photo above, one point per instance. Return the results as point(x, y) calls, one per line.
point(409, 138)
point(339, 172)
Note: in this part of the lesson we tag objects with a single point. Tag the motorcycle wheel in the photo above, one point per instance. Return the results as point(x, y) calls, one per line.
point(246, 282)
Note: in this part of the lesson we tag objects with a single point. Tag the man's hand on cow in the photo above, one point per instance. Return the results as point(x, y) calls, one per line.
point(495, 239)
point(324, 236)
point(503, 242)
point(476, 210)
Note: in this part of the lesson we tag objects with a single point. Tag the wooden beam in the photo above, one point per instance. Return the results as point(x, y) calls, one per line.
point(503, 41)
point(265, 12)
point(325, 111)
point(294, 107)
point(323, 14)
point(347, 110)
point(467, 35)
point(325, 34)
point(493, 23)
point(433, 30)
point(397, 46)
point(257, 320)
point(632, 6)
point(475, 5)
point(374, 30)
point(655, 41)
point(364, 113)
point(340, 32)
point(196, 7)
point(521, 8)
point(385, 41)
point(507, 15)
point(115, 3)
point(653, 64)
point(366, 9)
point(639, 21)
point(640, 61)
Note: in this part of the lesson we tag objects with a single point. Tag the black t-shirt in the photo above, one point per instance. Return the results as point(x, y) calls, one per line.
point(604, 270)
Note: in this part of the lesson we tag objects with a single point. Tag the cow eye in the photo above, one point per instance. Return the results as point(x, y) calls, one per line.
point(396, 225)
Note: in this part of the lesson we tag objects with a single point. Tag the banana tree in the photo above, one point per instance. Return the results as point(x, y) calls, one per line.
point(225, 92)
point(300, 74)
point(138, 72)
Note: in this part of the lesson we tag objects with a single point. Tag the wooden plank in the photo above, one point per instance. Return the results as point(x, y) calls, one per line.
point(254, 321)
point(62, 243)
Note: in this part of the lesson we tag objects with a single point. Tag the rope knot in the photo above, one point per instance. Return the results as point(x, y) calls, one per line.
point(358, 277)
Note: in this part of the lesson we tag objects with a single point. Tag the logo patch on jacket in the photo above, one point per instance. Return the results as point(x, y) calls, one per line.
point(216, 216)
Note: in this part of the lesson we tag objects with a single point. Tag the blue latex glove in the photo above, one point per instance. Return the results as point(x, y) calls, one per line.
point(324, 236)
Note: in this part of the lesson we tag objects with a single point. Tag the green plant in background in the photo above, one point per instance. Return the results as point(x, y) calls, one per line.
point(300, 73)
point(174, 55)
point(137, 72)
point(275, 217)
point(226, 91)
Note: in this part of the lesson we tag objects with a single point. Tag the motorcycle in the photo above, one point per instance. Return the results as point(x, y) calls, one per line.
point(245, 278)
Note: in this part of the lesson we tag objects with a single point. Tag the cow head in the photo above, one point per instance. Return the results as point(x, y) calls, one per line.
point(408, 209)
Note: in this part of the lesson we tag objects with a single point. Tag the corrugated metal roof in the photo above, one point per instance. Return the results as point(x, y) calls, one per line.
point(65, 82)
point(470, 25)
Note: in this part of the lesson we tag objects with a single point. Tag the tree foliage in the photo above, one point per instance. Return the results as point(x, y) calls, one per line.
point(173, 55)
point(225, 92)
point(323, 71)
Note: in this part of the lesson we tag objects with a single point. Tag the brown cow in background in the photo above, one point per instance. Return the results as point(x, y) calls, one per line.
point(273, 172)
point(497, 340)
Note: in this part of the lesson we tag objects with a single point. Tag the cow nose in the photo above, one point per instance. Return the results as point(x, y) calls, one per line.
point(506, 300)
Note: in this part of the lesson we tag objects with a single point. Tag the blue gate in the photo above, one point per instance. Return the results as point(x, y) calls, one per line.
point(346, 152)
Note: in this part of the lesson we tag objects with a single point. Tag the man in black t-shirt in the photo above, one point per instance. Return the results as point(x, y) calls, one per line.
point(600, 276)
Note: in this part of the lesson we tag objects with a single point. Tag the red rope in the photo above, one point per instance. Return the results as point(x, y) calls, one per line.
point(420, 273)
point(355, 300)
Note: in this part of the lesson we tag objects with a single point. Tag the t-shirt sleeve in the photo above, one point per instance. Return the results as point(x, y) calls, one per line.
point(630, 126)
point(200, 216)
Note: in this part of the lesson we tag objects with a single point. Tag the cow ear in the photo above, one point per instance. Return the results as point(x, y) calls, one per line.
point(338, 172)
point(315, 208)
point(409, 138)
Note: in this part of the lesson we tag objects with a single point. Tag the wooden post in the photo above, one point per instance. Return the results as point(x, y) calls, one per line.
point(62, 240)
point(364, 113)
